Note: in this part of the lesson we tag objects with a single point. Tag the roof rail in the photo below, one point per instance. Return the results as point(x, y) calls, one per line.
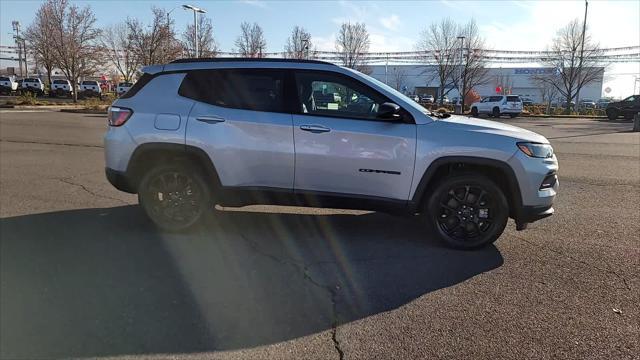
point(222, 59)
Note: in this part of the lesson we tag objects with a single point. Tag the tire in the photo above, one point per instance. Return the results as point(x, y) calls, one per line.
point(514, 115)
point(474, 111)
point(174, 197)
point(496, 112)
point(628, 115)
point(467, 211)
point(612, 113)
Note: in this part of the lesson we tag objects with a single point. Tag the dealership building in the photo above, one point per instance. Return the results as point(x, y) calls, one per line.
point(422, 79)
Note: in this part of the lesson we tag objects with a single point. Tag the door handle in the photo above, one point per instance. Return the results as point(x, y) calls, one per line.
point(316, 129)
point(212, 119)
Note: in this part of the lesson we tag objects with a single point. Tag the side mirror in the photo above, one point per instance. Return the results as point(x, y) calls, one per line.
point(389, 111)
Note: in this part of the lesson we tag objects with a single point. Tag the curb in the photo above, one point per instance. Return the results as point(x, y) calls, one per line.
point(84, 111)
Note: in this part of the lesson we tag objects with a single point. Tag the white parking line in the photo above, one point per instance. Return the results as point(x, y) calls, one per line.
point(2, 111)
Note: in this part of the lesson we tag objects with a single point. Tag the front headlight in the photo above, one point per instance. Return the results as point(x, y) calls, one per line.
point(536, 150)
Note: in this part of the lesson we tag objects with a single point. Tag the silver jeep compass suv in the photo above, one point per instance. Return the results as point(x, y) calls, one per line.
point(194, 133)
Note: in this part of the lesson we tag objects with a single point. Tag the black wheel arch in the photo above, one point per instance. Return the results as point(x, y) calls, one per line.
point(148, 155)
point(498, 171)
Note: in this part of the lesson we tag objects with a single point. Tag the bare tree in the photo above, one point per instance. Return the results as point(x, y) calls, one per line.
point(573, 71)
point(548, 92)
point(39, 36)
point(156, 43)
point(352, 43)
point(399, 77)
point(74, 40)
point(298, 44)
point(251, 42)
point(504, 82)
point(117, 41)
point(207, 46)
point(474, 69)
point(440, 46)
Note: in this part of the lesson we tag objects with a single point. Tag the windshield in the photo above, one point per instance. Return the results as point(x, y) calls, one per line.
point(409, 102)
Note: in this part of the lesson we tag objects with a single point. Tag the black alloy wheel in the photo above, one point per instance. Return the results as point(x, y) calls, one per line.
point(496, 112)
point(468, 211)
point(175, 198)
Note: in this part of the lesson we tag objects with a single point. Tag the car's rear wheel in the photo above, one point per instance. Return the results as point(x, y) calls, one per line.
point(496, 112)
point(628, 115)
point(174, 197)
point(612, 113)
point(474, 111)
point(468, 211)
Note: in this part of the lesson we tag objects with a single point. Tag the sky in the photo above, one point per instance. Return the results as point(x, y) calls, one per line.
point(393, 25)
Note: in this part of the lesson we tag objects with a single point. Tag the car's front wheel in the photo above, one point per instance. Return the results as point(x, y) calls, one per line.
point(474, 111)
point(467, 211)
point(496, 112)
point(174, 197)
point(612, 113)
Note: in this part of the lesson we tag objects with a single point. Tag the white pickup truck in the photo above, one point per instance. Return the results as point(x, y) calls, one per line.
point(90, 88)
point(61, 88)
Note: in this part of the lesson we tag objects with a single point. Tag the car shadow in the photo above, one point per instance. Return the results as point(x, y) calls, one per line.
point(100, 282)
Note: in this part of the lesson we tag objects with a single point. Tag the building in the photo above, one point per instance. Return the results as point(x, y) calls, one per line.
point(422, 79)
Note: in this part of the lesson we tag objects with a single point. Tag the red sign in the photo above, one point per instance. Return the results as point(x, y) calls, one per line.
point(498, 90)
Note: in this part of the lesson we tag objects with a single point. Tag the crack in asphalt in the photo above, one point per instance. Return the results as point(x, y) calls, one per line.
point(304, 271)
point(589, 265)
point(68, 181)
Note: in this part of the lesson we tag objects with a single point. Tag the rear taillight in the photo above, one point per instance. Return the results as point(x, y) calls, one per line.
point(118, 115)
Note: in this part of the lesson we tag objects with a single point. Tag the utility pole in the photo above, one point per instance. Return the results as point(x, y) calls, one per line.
point(305, 48)
point(461, 38)
point(195, 25)
point(584, 30)
point(16, 37)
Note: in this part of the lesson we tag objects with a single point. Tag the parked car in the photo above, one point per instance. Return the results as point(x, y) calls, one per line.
point(602, 103)
point(33, 85)
point(416, 98)
point(445, 100)
point(527, 101)
point(123, 87)
point(497, 105)
point(428, 99)
point(235, 131)
point(90, 88)
point(61, 88)
point(8, 85)
point(587, 104)
point(626, 108)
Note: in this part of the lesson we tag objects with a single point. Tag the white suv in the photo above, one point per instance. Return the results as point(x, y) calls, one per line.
point(33, 85)
point(123, 87)
point(89, 88)
point(8, 85)
point(61, 88)
point(199, 132)
point(497, 105)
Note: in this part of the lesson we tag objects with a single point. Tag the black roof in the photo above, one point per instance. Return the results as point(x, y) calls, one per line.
point(222, 59)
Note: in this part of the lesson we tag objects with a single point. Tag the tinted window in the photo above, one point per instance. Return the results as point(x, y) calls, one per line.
point(31, 80)
point(64, 82)
point(89, 83)
point(513, 98)
point(248, 89)
point(125, 84)
point(495, 98)
point(329, 94)
point(4, 79)
point(144, 80)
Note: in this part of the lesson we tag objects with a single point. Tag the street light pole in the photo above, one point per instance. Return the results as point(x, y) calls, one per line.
point(195, 25)
point(460, 89)
point(584, 29)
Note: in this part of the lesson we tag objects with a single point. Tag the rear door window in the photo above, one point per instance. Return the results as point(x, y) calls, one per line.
point(495, 98)
point(513, 98)
point(246, 89)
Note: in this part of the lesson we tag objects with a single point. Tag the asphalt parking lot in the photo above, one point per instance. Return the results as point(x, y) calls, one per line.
point(84, 274)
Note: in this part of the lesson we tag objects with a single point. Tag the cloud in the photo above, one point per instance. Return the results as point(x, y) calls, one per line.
point(391, 22)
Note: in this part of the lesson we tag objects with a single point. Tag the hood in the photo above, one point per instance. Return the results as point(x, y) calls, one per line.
point(465, 123)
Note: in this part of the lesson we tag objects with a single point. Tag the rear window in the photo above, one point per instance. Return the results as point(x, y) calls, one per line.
point(125, 84)
point(247, 89)
point(4, 79)
point(513, 98)
point(89, 83)
point(31, 80)
point(62, 82)
point(144, 80)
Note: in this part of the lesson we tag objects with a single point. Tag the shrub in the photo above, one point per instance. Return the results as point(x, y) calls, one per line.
point(26, 98)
